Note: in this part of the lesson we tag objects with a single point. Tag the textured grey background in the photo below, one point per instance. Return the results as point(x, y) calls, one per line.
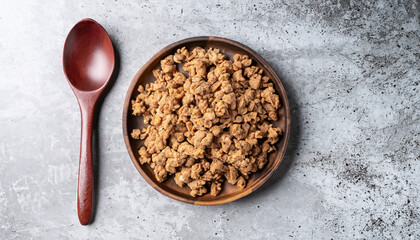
point(352, 74)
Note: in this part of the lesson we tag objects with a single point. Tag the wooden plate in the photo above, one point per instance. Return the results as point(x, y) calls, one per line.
point(229, 192)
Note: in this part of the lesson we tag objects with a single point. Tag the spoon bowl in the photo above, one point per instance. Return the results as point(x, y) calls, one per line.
point(88, 62)
point(88, 56)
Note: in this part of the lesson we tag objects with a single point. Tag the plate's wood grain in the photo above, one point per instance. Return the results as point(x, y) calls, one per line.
point(229, 192)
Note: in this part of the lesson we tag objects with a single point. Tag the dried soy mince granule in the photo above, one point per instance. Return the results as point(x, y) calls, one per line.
point(211, 126)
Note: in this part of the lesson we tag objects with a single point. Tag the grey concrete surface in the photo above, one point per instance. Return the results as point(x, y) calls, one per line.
point(351, 70)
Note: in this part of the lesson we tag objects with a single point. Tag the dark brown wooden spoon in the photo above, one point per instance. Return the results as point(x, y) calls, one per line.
point(88, 62)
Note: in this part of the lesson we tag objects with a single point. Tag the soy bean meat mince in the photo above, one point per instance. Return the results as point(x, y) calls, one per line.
point(209, 126)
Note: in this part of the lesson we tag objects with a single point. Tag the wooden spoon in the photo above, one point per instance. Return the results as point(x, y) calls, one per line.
point(88, 62)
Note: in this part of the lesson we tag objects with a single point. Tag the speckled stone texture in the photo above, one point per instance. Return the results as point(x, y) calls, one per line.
point(351, 70)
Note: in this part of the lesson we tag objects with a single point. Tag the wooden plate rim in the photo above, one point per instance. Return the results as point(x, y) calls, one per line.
point(253, 55)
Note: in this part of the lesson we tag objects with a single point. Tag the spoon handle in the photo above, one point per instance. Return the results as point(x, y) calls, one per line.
point(85, 181)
